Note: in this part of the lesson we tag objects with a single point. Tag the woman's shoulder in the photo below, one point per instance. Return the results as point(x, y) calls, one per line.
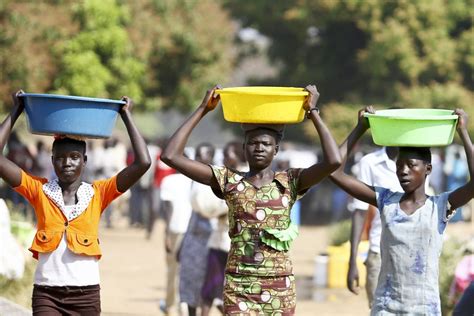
point(101, 183)
point(229, 175)
point(440, 199)
point(288, 176)
point(387, 196)
point(28, 177)
point(292, 173)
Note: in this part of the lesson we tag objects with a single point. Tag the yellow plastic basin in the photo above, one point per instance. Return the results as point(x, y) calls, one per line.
point(263, 104)
point(413, 127)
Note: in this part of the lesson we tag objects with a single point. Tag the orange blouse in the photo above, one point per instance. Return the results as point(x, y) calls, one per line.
point(82, 231)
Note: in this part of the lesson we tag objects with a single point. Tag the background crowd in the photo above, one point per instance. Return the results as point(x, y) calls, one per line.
point(165, 53)
point(111, 155)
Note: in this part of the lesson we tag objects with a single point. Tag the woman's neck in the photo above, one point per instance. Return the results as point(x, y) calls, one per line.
point(260, 177)
point(418, 195)
point(69, 191)
point(259, 173)
point(70, 186)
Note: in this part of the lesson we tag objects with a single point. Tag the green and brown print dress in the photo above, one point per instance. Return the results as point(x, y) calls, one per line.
point(259, 275)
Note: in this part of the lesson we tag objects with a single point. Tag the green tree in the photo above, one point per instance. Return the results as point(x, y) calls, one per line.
point(192, 49)
point(162, 53)
point(29, 32)
point(406, 53)
point(99, 60)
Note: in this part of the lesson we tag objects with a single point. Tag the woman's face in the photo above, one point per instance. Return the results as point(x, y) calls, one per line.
point(260, 148)
point(412, 172)
point(68, 162)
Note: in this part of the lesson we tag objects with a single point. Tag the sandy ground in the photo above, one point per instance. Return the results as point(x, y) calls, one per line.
point(133, 279)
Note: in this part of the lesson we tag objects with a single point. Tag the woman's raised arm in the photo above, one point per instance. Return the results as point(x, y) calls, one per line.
point(9, 171)
point(331, 157)
point(465, 193)
point(351, 185)
point(173, 154)
point(141, 163)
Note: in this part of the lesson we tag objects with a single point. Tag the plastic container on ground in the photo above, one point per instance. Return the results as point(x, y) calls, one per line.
point(413, 127)
point(320, 277)
point(49, 114)
point(338, 264)
point(265, 105)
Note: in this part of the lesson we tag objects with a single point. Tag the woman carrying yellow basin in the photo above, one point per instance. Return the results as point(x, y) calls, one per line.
point(259, 275)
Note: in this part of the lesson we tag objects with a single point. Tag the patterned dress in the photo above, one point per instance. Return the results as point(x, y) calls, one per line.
point(259, 275)
point(410, 249)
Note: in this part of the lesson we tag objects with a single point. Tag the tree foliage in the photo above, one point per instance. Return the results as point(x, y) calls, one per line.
point(404, 53)
point(192, 48)
point(162, 53)
point(29, 33)
point(99, 60)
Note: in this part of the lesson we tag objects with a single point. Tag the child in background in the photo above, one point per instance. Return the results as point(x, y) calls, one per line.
point(259, 275)
point(68, 212)
point(413, 224)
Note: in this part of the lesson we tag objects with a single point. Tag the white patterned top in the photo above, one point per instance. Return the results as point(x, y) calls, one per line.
point(410, 249)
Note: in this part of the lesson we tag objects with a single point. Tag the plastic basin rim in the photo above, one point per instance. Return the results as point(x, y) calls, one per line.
point(414, 117)
point(70, 97)
point(263, 92)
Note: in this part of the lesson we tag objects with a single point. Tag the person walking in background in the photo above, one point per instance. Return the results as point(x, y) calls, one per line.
point(42, 162)
point(259, 275)
point(413, 224)
point(113, 160)
point(20, 155)
point(159, 170)
point(456, 174)
point(465, 306)
point(140, 198)
point(194, 250)
point(437, 178)
point(462, 287)
point(175, 195)
point(219, 241)
point(95, 154)
point(147, 182)
point(374, 169)
point(68, 212)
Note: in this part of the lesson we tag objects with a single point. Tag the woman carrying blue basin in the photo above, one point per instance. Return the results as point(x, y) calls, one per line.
point(68, 212)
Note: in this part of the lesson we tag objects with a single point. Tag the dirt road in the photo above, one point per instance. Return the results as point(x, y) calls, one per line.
point(133, 278)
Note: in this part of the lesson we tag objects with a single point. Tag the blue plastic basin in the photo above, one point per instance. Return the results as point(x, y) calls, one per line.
point(49, 114)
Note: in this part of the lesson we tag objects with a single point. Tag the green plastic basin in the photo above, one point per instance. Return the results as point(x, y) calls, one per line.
point(413, 127)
